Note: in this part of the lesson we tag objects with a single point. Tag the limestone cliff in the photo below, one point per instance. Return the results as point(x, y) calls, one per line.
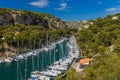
point(13, 17)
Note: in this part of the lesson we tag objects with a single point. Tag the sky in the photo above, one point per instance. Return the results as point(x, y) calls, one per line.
point(68, 10)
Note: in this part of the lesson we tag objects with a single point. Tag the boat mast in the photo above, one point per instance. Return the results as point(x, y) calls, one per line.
point(20, 72)
point(32, 63)
point(65, 48)
point(54, 55)
point(38, 62)
point(18, 60)
point(42, 61)
point(62, 50)
point(33, 56)
point(25, 69)
point(50, 56)
point(47, 38)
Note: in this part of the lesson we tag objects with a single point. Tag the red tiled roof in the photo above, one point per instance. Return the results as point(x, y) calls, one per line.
point(86, 60)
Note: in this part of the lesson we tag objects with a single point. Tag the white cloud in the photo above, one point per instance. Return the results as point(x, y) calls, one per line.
point(113, 9)
point(40, 3)
point(62, 6)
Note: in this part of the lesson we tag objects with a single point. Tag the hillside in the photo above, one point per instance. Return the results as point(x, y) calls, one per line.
point(101, 43)
point(13, 17)
point(21, 31)
point(83, 24)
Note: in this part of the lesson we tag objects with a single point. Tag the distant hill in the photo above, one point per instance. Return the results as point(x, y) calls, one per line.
point(80, 24)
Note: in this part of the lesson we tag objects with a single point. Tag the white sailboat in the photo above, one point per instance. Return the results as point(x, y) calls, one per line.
point(7, 60)
point(37, 75)
point(58, 66)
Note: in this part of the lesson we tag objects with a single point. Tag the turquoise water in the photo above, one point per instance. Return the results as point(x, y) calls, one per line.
point(10, 71)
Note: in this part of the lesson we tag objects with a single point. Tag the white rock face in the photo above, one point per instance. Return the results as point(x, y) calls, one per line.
point(115, 18)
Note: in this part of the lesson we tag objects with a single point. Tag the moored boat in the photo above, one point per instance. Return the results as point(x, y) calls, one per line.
point(7, 60)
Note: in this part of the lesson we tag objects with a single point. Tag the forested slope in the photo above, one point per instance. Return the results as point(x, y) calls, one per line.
point(101, 42)
point(24, 30)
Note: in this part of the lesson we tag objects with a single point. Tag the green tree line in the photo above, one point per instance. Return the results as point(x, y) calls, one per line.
point(30, 37)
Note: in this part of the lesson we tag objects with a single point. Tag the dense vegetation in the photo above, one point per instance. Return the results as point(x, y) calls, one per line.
point(103, 34)
point(101, 42)
point(30, 37)
point(22, 30)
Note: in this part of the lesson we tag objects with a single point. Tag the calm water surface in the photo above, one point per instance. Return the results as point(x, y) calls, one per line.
point(10, 71)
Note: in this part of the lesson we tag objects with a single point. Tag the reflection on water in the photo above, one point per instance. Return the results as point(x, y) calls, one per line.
point(9, 71)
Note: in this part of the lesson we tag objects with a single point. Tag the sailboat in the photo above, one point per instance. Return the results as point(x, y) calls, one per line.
point(19, 74)
point(57, 67)
point(25, 69)
point(47, 47)
point(53, 65)
point(36, 75)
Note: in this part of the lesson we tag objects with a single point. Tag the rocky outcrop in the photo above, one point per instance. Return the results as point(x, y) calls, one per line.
point(19, 18)
point(6, 19)
point(75, 25)
point(80, 24)
point(30, 19)
point(13, 17)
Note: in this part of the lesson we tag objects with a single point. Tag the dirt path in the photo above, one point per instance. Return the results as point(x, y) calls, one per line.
point(75, 66)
